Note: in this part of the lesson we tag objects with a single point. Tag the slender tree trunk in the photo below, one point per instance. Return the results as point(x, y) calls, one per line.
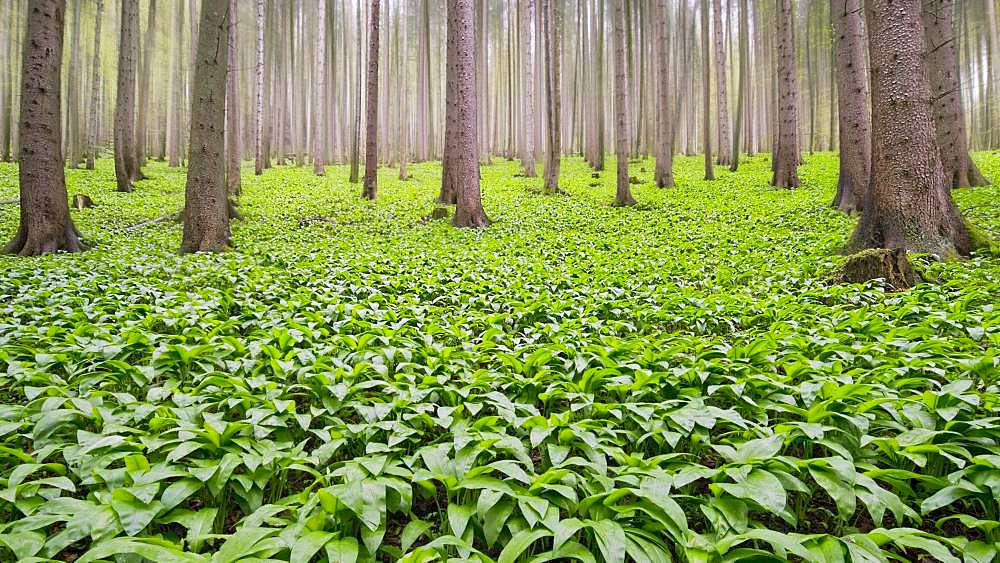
point(786, 154)
point(742, 97)
point(142, 97)
point(6, 78)
point(206, 209)
point(95, 88)
point(232, 135)
point(721, 90)
point(319, 92)
point(623, 195)
point(706, 79)
point(946, 97)
point(355, 149)
point(45, 223)
point(125, 163)
point(909, 205)
point(404, 96)
point(852, 90)
point(73, 91)
point(370, 189)
point(527, 89)
point(552, 24)
point(461, 172)
point(259, 101)
point(664, 152)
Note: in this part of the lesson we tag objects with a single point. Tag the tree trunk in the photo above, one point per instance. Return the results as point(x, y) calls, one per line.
point(552, 24)
point(786, 154)
point(125, 163)
point(95, 88)
point(706, 83)
point(319, 92)
point(743, 96)
point(527, 89)
point(73, 91)
point(258, 135)
point(664, 151)
point(721, 90)
point(623, 195)
point(232, 134)
point(404, 96)
point(142, 98)
point(356, 134)
point(370, 188)
point(909, 205)
point(206, 210)
point(852, 98)
point(461, 172)
point(946, 97)
point(45, 222)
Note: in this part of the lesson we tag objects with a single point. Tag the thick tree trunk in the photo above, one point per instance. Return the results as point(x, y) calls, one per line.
point(664, 173)
point(852, 99)
point(946, 95)
point(319, 92)
point(370, 188)
point(786, 154)
point(706, 83)
point(95, 88)
point(45, 222)
point(909, 204)
point(461, 172)
point(527, 89)
point(623, 195)
point(206, 210)
point(125, 163)
point(258, 135)
point(721, 90)
point(552, 24)
point(142, 98)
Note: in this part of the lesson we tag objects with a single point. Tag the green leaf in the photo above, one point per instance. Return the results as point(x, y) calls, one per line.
point(519, 543)
point(307, 545)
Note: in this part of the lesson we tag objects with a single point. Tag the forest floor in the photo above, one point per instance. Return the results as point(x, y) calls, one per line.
point(577, 381)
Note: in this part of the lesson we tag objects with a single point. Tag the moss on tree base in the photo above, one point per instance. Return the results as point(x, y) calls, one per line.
point(891, 265)
point(981, 240)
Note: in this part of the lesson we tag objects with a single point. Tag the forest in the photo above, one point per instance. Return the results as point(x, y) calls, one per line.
point(604, 281)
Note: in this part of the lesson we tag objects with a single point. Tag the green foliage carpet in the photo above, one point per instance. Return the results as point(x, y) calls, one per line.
point(675, 381)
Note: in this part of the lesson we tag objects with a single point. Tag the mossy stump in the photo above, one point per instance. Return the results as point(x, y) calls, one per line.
point(891, 265)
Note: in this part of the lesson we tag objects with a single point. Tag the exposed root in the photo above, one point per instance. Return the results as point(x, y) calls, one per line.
point(890, 265)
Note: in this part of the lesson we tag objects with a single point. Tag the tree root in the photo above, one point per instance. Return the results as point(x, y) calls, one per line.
point(890, 265)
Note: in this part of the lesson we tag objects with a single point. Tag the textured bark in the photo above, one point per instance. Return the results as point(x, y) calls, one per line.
point(743, 95)
point(95, 88)
point(142, 98)
point(946, 94)
point(232, 109)
point(552, 24)
point(623, 195)
point(404, 98)
point(706, 84)
point(356, 133)
point(909, 205)
point(206, 213)
point(6, 78)
point(125, 164)
point(461, 171)
point(73, 75)
point(599, 132)
point(527, 89)
point(319, 91)
point(892, 266)
point(258, 134)
point(45, 224)
point(370, 188)
point(786, 154)
point(664, 151)
point(852, 100)
point(175, 126)
point(723, 134)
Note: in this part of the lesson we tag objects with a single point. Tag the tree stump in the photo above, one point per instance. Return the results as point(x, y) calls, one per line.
point(82, 201)
point(891, 265)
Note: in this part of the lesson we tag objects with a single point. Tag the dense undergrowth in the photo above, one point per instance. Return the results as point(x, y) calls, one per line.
point(671, 381)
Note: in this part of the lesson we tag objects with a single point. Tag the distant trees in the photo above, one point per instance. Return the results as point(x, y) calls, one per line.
point(909, 206)
point(706, 83)
point(45, 225)
point(95, 87)
point(721, 90)
point(527, 25)
point(460, 176)
point(126, 166)
point(144, 61)
point(786, 153)
point(852, 102)
point(258, 121)
point(206, 205)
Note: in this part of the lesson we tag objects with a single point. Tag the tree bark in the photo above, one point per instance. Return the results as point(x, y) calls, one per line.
point(370, 188)
point(404, 97)
point(125, 163)
point(786, 154)
point(45, 223)
point(725, 157)
point(95, 88)
point(706, 83)
point(623, 195)
point(356, 133)
point(909, 205)
point(73, 91)
point(232, 135)
point(946, 96)
point(258, 135)
point(852, 100)
point(206, 210)
point(461, 172)
point(664, 151)
point(552, 24)
point(527, 89)
point(743, 95)
point(142, 98)
point(319, 92)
